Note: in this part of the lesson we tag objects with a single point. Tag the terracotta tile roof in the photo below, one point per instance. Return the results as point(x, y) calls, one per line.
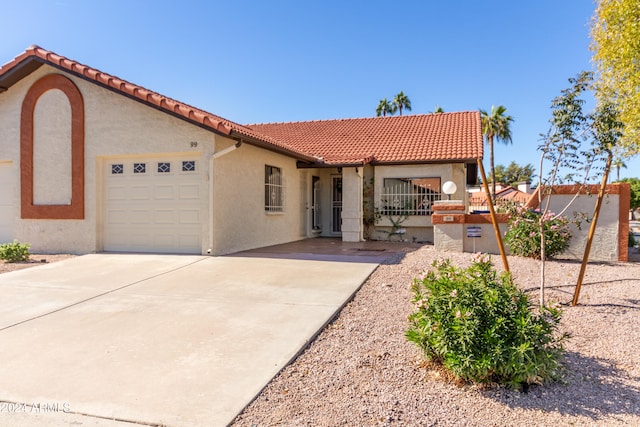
point(35, 56)
point(507, 193)
point(394, 139)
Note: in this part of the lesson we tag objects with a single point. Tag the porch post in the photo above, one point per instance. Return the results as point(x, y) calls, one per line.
point(352, 226)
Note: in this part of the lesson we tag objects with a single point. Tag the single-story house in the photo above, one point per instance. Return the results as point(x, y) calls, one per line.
point(90, 162)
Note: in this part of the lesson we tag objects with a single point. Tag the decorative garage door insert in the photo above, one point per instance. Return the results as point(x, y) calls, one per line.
point(153, 205)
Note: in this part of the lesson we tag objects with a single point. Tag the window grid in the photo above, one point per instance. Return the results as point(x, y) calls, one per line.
point(139, 168)
point(273, 189)
point(117, 169)
point(188, 166)
point(409, 196)
point(164, 167)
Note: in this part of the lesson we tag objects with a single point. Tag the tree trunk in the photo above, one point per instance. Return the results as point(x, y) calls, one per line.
point(493, 170)
point(543, 255)
point(592, 229)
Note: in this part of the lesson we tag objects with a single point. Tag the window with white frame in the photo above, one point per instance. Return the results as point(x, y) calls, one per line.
point(273, 189)
point(409, 196)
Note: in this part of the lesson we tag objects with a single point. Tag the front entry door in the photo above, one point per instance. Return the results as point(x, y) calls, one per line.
point(336, 205)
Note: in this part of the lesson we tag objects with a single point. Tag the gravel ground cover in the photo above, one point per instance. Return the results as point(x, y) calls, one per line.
point(34, 260)
point(361, 371)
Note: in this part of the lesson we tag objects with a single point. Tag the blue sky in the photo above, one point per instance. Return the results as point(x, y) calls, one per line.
point(272, 61)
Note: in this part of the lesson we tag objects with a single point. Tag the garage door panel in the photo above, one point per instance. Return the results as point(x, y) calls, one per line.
point(189, 192)
point(166, 216)
point(117, 216)
point(164, 240)
point(158, 210)
point(164, 192)
point(116, 192)
point(188, 241)
point(190, 217)
point(140, 216)
point(140, 192)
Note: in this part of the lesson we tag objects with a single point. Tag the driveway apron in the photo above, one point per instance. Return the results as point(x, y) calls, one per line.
point(161, 339)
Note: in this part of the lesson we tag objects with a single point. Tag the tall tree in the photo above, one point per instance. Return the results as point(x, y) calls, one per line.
point(514, 173)
point(402, 101)
point(615, 36)
point(618, 163)
point(496, 125)
point(385, 107)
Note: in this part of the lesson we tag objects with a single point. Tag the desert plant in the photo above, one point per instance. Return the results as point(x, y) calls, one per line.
point(482, 328)
point(14, 252)
point(523, 236)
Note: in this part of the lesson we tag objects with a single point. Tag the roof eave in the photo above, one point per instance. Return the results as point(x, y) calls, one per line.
point(271, 147)
point(423, 162)
point(18, 71)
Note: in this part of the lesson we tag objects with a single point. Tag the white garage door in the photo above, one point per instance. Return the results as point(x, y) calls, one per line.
point(6, 202)
point(153, 205)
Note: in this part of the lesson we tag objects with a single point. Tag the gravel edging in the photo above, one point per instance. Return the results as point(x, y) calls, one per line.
point(33, 261)
point(361, 371)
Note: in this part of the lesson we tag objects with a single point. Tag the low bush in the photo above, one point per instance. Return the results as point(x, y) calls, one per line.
point(523, 236)
point(14, 252)
point(632, 240)
point(481, 327)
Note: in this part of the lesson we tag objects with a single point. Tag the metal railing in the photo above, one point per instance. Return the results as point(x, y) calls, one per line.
point(407, 199)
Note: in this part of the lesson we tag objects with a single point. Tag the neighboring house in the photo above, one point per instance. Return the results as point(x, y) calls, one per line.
point(504, 193)
point(90, 163)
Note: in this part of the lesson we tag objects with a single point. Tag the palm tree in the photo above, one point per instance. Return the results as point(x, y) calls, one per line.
point(496, 125)
point(402, 101)
point(438, 110)
point(618, 163)
point(385, 107)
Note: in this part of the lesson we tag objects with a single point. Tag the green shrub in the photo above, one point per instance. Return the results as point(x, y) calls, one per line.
point(14, 252)
point(523, 236)
point(632, 240)
point(481, 327)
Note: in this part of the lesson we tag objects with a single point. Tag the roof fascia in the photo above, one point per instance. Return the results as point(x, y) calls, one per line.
point(19, 71)
point(271, 147)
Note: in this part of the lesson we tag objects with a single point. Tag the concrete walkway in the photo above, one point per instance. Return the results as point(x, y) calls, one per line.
point(106, 339)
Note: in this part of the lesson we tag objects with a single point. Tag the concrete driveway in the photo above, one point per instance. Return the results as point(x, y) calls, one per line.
point(109, 339)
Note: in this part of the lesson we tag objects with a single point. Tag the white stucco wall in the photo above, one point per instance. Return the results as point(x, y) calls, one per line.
point(115, 126)
point(240, 221)
point(352, 185)
point(52, 149)
point(418, 228)
point(605, 240)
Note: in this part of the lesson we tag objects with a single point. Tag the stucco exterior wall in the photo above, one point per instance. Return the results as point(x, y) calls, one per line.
point(419, 228)
point(605, 241)
point(240, 221)
point(115, 126)
point(609, 241)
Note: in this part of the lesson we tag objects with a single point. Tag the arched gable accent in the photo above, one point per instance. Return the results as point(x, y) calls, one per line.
point(74, 210)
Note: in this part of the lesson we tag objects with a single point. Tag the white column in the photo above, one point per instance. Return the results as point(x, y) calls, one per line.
point(352, 182)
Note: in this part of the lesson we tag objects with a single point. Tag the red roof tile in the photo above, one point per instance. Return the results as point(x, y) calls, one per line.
point(394, 139)
point(25, 61)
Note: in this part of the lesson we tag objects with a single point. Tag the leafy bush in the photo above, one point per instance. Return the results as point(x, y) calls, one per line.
point(481, 327)
point(523, 236)
point(14, 252)
point(632, 240)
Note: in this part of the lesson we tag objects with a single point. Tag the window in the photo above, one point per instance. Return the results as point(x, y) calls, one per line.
point(409, 196)
point(117, 169)
point(139, 167)
point(188, 166)
point(273, 197)
point(164, 167)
